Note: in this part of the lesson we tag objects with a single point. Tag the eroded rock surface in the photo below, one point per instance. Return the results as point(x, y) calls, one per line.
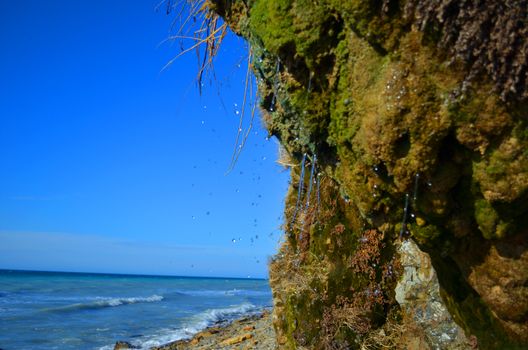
point(399, 119)
point(418, 293)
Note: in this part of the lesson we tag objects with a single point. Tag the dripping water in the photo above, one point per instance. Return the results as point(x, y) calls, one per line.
point(299, 192)
point(312, 172)
point(415, 193)
point(309, 192)
point(405, 212)
point(318, 185)
point(275, 84)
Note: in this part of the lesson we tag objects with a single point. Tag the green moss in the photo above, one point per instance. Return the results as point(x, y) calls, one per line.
point(386, 117)
point(425, 234)
point(487, 219)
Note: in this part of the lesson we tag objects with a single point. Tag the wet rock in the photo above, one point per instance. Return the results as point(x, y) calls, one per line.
point(412, 139)
point(236, 340)
point(122, 345)
point(418, 293)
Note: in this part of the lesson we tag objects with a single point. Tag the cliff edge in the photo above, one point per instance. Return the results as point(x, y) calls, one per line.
point(405, 126)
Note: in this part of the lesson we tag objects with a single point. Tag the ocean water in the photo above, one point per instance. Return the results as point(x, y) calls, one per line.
point(50, 310)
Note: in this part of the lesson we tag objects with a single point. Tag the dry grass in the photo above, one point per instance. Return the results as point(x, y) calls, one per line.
point(248, 96)
point(200, 26)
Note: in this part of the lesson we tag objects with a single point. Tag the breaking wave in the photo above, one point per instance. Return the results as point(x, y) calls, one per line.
point(101, 303)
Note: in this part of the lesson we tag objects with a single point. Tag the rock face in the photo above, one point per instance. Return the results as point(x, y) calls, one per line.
point(401, 120)
point(418, 294)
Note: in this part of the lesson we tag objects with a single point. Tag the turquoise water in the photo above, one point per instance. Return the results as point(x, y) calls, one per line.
point(50, 310)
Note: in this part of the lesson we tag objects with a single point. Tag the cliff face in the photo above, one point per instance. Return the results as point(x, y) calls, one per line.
point(403, 122)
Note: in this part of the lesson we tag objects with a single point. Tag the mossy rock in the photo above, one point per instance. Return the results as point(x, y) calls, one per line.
point(412, 139)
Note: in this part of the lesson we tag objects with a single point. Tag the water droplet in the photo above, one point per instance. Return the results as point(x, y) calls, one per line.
point(237, 112)
point(264, 158)
point(194, 217)
point(203, 122)
point(207, 213)
point(233, 240)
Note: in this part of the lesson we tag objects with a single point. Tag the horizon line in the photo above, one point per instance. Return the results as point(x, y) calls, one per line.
point(131, 274)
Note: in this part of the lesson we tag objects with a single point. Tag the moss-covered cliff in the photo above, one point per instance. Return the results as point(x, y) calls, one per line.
point(406, 120)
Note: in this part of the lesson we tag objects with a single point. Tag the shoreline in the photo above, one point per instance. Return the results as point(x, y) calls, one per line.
point(250, 332)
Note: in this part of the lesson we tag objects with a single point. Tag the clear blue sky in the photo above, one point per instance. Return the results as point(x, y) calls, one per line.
point(109, 164)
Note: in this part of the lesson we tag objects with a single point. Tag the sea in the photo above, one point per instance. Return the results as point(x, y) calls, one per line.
point(56, 310)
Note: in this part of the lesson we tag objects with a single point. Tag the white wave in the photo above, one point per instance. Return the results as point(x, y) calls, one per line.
point(124, 301)
point(106, 302)
point(228, 292)
point(196, 324)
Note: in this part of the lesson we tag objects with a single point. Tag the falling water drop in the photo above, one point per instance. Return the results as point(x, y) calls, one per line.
point(415, 192)
point(405, 211)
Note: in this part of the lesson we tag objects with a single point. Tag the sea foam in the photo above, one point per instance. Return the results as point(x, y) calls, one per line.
point(196, 324)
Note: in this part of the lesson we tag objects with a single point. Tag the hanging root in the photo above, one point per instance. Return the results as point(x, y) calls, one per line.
point(204, 28)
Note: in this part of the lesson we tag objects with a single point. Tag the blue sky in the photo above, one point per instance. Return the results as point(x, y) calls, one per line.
point(109, 164)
